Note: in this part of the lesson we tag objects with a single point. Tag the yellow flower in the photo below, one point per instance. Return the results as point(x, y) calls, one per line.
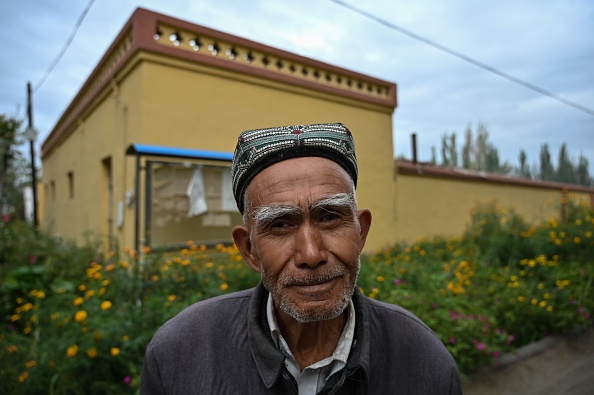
point(110, 267)
point(534, 301)
point(380, 279)
point(71, 351)
point(224, 287)
point(549, 308)
point(30, 364)
point(106, 305)
point(23, 377)
point(577, 240)
point(92, 352)
point(78, 301)
point(171, 298)
point(542, 304)
point(82, 287)
point(520, 299)
point(125, 337)
point(80, 316)
point(115, 351)
point(12, 349)
point(90, 293)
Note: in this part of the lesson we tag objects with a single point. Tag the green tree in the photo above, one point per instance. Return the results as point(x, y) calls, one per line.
point(524, 168)
point(546, 169)
point(467, 149)
point(582, 174)
point(449, 150)
point(565, 167)
point(11, 164)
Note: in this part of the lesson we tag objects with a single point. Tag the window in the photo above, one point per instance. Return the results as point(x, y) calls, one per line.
point(71, 185)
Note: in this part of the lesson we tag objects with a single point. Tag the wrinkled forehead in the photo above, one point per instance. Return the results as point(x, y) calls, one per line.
point(298, 182)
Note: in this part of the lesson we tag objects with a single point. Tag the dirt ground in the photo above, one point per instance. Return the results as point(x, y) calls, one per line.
point(555, 366)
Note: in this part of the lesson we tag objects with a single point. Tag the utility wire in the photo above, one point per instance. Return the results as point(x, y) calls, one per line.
point(66, 45)
point(467, 58)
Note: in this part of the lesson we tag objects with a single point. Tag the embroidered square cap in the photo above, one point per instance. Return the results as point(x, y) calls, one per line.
point(257, 149)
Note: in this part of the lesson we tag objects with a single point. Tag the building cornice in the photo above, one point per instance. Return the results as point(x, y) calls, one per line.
point(430, 170)
point(148, 31)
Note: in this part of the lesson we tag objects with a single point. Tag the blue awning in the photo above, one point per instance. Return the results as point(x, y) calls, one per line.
point(173, 152)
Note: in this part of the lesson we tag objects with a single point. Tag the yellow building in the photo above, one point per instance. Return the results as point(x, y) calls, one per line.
point(141, 155)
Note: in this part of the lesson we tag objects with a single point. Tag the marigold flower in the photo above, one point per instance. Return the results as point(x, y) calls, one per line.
point(106, 305)
point(12, 349)
point(71, 351)
point(30, 364)
point(23, 376)
point(224, 287)
point(80, 316)
point(114, 351)
point(171, 298)
point(92, 352)
point(380, 279)
point(78, 301)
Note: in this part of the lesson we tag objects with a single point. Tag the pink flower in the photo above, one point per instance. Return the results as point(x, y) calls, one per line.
point(480, 346)
point(452, 340)
point(127, 380)
point(5, 218)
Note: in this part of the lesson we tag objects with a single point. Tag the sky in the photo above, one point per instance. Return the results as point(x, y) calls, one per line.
point(548, 44)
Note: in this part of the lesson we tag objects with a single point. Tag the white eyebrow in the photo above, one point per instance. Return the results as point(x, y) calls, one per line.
point(344, 200)
point(267, 214)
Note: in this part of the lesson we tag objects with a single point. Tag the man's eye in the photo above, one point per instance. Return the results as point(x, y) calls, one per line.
point(279, 225)
point(329, 217)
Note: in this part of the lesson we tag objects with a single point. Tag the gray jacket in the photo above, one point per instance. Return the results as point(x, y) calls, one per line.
point(223, 346)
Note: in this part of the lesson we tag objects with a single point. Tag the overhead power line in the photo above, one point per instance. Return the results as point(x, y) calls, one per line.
point(65, 47)
point(468, 59)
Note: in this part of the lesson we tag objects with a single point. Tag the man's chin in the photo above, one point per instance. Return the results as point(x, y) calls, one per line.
point(314, 312)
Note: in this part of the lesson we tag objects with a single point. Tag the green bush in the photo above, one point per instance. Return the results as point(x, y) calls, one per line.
point(77, 322)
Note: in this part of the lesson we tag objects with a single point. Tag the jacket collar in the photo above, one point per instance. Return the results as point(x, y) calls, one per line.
point(270, 360)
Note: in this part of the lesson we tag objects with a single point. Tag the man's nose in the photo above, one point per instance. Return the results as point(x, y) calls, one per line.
point(309, 247)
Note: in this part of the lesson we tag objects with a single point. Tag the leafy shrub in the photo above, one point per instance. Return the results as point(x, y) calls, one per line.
point(75, 322)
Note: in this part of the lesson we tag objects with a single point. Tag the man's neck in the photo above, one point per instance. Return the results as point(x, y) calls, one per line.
point(313, 341)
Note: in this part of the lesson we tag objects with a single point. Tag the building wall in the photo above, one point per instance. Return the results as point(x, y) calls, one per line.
point(429, 206)
point(162, 101)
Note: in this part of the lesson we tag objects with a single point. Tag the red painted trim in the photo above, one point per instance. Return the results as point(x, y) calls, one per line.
point(143, 24)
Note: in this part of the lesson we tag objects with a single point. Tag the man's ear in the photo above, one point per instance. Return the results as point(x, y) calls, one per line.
point(365, 224)
point(241, 236)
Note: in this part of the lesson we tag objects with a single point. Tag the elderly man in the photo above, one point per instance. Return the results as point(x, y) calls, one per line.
point(306, 329)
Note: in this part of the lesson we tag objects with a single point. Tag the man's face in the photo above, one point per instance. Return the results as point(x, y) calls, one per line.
point(305, 236)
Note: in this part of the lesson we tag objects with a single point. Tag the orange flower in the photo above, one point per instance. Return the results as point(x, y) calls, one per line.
point(80, 316)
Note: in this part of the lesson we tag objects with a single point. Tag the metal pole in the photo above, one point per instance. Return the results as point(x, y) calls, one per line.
point(32, 149)
point(414, 147)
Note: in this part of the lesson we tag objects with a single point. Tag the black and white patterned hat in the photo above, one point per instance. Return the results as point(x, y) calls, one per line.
point(260, 148)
